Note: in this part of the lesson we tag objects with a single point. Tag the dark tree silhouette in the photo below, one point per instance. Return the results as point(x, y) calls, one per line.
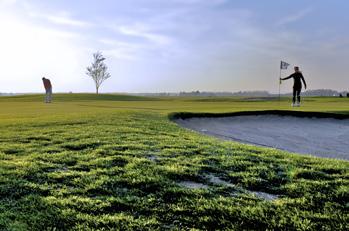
point(98, 70)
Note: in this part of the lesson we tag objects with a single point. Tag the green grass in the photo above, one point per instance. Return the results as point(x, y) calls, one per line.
point(115, 162)
point(77, 97)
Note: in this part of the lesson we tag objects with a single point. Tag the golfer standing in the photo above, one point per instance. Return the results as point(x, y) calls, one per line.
point(48, 88)
point(297, 86)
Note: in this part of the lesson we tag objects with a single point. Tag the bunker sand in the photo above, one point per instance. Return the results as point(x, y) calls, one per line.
point(322, 137)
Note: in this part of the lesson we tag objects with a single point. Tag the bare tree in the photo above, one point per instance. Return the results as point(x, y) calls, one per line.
point(98, 70)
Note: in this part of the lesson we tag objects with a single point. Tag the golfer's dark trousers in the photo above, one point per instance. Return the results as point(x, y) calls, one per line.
point(297, 94)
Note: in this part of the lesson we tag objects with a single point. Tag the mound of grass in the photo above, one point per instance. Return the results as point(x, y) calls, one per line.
point(69, 166)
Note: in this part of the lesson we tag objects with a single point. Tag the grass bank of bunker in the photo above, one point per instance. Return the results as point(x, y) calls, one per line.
point(316, 133)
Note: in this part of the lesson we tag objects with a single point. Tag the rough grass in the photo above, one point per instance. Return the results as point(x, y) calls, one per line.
point(104, 165)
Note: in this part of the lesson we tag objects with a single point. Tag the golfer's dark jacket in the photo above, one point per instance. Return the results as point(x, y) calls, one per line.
point(297, 77)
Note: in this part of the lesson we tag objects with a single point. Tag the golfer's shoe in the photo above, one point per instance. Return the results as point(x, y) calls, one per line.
point(293, 104)
point(298, 104)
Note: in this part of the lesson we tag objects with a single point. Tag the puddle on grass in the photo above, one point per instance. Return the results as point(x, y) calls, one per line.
point(216, 180)
point(62, 169)
point(152, 158)
point(263, 195)
point(193, 185)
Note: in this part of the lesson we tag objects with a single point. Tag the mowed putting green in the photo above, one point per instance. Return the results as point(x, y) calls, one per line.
point(116, 162)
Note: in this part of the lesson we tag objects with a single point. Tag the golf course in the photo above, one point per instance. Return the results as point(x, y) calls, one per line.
point(121, 162)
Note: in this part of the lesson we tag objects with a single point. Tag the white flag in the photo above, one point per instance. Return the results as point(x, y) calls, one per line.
point(284, 65)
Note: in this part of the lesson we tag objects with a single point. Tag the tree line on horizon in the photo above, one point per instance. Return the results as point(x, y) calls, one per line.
point(317, 92)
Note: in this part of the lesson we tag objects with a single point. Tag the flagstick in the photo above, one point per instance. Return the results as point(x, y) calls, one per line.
point(279, 84)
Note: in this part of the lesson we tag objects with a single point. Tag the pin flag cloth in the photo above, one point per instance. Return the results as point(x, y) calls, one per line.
point(284, 65)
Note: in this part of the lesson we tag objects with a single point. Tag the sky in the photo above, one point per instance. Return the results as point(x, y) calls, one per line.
point(173, 45)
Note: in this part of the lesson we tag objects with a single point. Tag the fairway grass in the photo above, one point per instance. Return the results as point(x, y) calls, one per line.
point(112, 162)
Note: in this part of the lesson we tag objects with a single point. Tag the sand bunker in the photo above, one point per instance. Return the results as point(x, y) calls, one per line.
point(323, 137)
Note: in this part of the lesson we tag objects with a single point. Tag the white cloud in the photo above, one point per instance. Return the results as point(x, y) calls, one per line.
point(30, 52)
point(7, 2)
point(202, 2)
point(120, 49)
point(154, 45)
point(294, 17)
point(143, 31)
point(62, 18)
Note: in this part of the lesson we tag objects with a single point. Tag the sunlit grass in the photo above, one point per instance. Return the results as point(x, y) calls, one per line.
point(97, 163)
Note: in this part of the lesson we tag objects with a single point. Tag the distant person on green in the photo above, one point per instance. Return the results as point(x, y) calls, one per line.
point(297, 86)
point(48, 88)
